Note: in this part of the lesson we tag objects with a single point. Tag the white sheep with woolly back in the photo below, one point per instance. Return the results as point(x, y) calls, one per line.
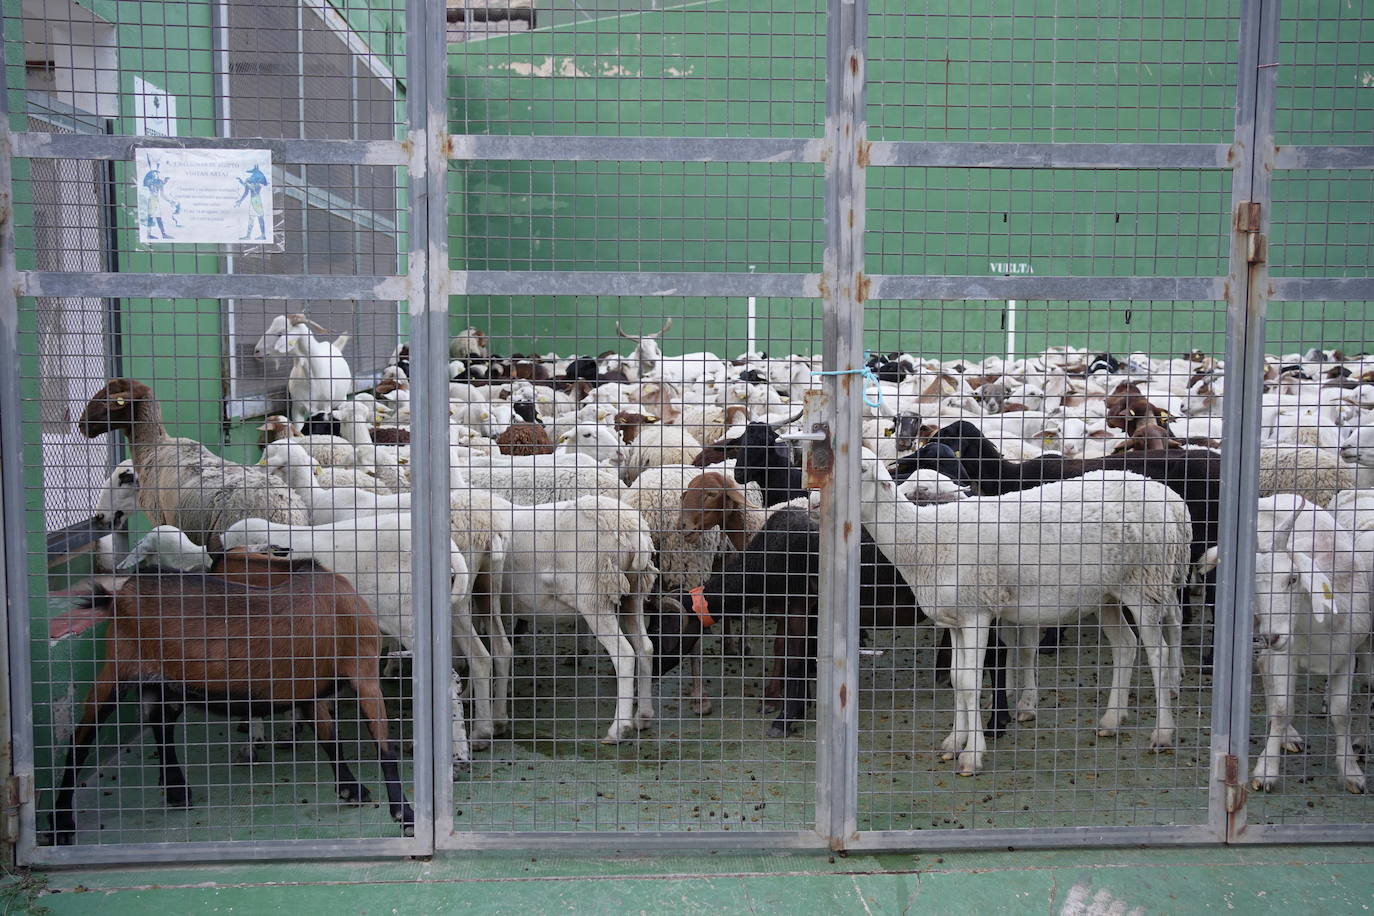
point(1312, 613)
point(533, 479)
point(656, 445)
point(591, 557)
point(374, 553)
point(1316, 474)
point(1102, 540)
point(595, 441)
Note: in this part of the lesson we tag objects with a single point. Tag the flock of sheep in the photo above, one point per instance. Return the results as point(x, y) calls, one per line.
point(653, 497)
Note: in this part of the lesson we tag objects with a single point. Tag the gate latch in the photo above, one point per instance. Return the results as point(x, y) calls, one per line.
point(1248, 220)
point(819, 456)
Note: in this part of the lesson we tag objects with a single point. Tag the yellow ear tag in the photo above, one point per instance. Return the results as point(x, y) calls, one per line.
point(120, 402)
point(318, 470)
point(888, 432)
point(262, 462)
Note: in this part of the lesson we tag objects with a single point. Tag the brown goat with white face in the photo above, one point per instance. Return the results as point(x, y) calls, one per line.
point(257, 633)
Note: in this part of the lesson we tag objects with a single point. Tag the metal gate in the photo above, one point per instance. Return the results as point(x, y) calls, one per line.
point(1083, 233)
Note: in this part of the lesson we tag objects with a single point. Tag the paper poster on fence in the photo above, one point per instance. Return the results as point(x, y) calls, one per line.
point(222, 196)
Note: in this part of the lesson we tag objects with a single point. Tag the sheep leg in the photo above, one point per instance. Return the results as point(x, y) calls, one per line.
point(460, 751)
point(161, 719)
point(1276, 671)
point(700, 702)
point(797, 651)
point(1125, 646)
point(502, 660)
point(956, 739)
point(774, 689)
point(349, 789)
point(1338, 689)
point(1022, 676)
point(373, 707)
point(967, 675)
point(99, 704)
point(996, 660)
point(632, 624)
point(604, 627)
point(1153, 620)
point(470, 644)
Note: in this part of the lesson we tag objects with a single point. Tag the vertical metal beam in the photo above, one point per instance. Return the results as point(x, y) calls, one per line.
point(427, 273)
point(842, 290)
point(1247, 281)
point(16, 716)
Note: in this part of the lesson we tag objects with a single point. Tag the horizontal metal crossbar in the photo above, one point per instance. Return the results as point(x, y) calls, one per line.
point(1053, 155)
point(121, 148)
point(1145, 289)
point(1324, 157)
point(229, 850)
point(604, 283)
point(1321, 289)
point(656, 840)
point(638, 149)
point(210, 286)
point(1038, 837)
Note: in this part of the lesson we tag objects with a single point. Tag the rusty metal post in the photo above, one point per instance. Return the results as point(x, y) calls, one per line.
point(842, 289)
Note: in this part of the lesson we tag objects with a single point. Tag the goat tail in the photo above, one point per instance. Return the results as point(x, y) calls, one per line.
point(95, 606)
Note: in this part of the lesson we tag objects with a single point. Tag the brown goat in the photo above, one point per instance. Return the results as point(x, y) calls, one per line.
point(1129, 409)
point(525, 439)
point(264, 633)
point(628, 424)
point(712, 499)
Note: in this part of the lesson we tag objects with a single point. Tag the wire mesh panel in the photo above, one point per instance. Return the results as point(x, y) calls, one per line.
point(1021, 459)
point(1309, 697)
point(242, 683)
point(612, 495)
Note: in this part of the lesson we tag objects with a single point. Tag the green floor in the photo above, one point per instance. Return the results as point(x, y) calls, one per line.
point(1306, 879)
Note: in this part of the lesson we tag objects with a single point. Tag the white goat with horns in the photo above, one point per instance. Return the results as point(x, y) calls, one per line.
point(320, 377)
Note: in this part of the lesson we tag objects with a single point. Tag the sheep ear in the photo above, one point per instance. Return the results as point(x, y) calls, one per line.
point(1316, 583)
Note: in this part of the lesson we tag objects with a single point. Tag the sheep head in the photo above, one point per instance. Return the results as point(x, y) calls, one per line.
point(710, 500)
point(120, 405)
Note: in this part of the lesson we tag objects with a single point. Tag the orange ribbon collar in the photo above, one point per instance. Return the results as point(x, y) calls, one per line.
point(700, 608)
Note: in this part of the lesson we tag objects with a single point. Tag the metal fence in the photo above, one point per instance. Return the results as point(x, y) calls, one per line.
point(1087, 237)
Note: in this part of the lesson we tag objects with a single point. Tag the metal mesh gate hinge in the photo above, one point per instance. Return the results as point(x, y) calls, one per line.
point(1235, 784)
point(1248, 218)
point(18, 792)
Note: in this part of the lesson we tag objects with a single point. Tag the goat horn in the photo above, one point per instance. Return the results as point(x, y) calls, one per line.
point(666, 325)
point(1284, 532)
point(621, 333)
point(317, 327)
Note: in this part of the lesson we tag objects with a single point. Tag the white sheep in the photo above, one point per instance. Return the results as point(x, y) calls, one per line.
point(374, 553)
point(603, 579)
point(532, 479)
point(1316, 474)
point(656, 445)
point(329, 451)
point(1312, 613)
point(927, 486)
point(326, 504)
point(168, 547)
point(330, 476)
point(594, 440)
point(1102, 540)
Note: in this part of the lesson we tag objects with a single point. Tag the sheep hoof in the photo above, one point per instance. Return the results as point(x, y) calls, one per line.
point(969, 765)
point(1025, 715)
point(1105, 732)
point(355, 793)
point(1292, 747)
point(479, 744)
point(701, 707)
point(1161, 741)
point(178, 797)
point(1263, 784)
point(1355, 784)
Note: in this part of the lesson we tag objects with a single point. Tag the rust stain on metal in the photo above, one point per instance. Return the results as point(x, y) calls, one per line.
point(820, 461)
point(864, 154)
point(447, 145)
point(844, 695)
point(854, 64)
point(823, 287)
point(848, 530)
point(862, 287)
